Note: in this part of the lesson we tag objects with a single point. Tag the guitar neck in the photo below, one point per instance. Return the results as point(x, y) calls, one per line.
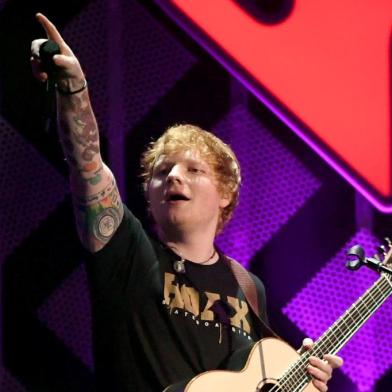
point(340, 331)
point(352, 320)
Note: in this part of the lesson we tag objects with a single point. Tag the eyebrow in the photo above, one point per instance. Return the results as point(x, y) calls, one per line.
point(186, 160)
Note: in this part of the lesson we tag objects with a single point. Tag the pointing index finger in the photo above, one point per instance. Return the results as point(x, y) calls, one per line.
point(50, 29)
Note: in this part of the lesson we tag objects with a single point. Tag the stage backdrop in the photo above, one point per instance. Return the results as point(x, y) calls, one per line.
point(296, 219)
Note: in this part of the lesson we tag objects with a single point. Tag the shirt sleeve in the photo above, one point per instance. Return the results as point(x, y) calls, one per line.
point(112, 265)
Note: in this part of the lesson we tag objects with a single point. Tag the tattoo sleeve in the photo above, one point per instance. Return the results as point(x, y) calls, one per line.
point(97, 202)
point(79, 136)
point(99, 214)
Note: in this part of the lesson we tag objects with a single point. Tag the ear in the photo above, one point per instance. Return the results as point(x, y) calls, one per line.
point(224, 201)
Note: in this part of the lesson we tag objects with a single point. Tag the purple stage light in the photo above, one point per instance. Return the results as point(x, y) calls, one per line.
point(275, 184)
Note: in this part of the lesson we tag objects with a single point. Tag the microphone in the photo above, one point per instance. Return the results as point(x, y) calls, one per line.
point(46, 52)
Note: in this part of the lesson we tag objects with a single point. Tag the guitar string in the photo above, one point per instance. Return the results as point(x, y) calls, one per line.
point(349, 333)
point(304, 358)
point(359, 308)
point(300, 383)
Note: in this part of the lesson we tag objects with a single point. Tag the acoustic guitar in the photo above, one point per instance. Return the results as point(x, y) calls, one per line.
point(274, 366)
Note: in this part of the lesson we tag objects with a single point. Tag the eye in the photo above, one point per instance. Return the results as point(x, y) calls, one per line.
point(195, 170)
point(161, 171)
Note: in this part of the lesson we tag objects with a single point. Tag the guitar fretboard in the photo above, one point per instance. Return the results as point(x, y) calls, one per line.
point(296, 377)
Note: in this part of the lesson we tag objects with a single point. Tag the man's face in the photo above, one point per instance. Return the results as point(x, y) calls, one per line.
point(183, 193)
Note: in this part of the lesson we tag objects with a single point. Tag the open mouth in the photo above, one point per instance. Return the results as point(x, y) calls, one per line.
point(177, 197)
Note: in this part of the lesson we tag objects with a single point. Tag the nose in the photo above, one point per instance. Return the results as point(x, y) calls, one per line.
point(175, 174)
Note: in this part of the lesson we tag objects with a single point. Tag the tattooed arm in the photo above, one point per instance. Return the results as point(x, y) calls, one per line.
point(97, 203)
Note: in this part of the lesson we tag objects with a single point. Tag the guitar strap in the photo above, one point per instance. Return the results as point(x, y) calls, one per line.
point(248, 287)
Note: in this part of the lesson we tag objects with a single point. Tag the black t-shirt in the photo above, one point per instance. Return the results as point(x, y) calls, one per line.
point(153, 327)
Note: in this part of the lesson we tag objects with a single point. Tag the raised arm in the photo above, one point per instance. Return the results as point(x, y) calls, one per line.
point(97, 203)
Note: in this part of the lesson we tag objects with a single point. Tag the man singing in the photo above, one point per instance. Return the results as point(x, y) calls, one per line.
point(166, 306)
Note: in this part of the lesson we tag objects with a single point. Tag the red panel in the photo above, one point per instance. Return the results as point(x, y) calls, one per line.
point(328, 62)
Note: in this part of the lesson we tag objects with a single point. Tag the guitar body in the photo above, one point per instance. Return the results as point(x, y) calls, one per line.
point(266, 363)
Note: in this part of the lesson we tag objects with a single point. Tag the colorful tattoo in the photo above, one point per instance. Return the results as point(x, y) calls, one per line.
point(96, 197)
point(90, 166)
point(80, 136)
point(95, 180)
point(100, 214)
